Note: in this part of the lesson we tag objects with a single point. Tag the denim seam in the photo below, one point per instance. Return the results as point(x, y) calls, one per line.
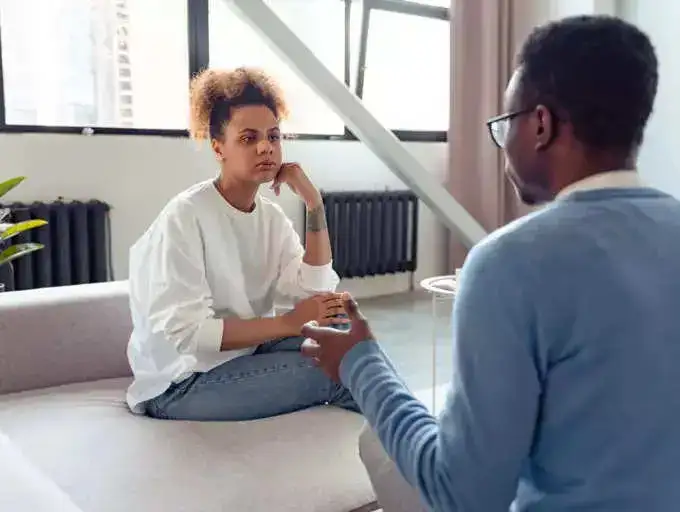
point(242, 376)
point(172, 394)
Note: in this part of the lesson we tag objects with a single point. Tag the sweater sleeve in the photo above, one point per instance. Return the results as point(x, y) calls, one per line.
point(168, 285)
point(297, 279)
point(469, 458)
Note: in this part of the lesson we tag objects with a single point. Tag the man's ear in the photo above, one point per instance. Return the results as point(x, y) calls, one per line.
point(544, 127)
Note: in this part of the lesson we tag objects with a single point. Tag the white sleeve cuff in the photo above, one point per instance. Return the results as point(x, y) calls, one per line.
point(209, 335)
point(318, 279)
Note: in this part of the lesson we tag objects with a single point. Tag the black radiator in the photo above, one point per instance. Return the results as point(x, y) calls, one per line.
point(372, 232)
point(76, 240)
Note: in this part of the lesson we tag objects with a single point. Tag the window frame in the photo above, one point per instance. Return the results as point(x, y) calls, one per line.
point(408, 8)
point(198, 13)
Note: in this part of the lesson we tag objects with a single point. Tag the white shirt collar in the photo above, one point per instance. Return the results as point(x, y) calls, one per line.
point(610, 179)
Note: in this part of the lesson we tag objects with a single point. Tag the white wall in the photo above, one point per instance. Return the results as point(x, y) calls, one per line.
point(136, 175)
point(562, 8)
point(530, 13)
point(659, 160)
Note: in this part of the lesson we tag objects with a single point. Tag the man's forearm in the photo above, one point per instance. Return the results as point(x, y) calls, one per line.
point(405, 427)
point(317, 243)
point(238, 333)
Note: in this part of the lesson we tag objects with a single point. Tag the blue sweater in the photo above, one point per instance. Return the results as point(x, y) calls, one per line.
point(565, 393)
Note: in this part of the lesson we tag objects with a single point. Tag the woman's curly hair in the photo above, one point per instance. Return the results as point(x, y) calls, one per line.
point(214, 92)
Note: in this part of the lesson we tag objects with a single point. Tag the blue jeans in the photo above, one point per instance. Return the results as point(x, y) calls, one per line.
point(275, 379)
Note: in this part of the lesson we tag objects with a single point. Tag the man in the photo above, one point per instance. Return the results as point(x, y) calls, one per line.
point(565, 394)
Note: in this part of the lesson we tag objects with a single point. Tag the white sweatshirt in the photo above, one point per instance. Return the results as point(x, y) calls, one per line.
point(200, 261)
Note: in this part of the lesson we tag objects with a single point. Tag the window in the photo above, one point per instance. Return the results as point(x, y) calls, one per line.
point(105, 63)
point(405, 81)
point(123, 66)
point(320, 24)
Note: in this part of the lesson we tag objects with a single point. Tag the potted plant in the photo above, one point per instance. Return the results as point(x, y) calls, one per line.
point(9, 230)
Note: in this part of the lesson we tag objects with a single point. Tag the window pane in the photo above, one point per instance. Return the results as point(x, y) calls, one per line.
point(318, 23)
point(111, 63)
point(406, 81)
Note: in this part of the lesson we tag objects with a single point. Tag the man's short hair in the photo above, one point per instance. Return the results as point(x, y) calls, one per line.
point(600, 73)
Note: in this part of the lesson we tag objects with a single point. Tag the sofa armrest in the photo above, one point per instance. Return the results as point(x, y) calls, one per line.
point(63, 335)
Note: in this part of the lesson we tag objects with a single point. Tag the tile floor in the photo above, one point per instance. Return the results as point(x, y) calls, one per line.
point(405, 326)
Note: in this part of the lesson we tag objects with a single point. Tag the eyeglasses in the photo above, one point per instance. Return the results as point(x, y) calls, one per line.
point(499, 126)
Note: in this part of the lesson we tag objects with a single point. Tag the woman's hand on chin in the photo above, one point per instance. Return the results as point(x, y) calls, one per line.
point(292, 175)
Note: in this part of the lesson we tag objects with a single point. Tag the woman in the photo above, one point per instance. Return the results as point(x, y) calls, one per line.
point(203, 278)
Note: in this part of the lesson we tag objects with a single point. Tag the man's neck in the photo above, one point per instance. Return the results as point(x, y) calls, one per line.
point(623, 178)
point(591, 168)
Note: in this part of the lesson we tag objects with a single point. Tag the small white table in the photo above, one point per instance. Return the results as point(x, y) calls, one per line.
point(442, 289)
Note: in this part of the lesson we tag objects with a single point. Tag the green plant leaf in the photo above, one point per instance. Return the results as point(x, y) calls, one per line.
point(8, 185)
point(16, 251)
point(20, 227)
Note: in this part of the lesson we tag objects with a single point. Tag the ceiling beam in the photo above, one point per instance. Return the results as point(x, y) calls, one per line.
point(381, 141)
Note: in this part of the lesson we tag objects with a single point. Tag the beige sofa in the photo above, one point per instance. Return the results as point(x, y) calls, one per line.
point(392, 490)
point(68, 442)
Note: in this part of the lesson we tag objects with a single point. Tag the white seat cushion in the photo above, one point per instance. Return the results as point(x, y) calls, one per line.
point(24, 487)
point(106, 459)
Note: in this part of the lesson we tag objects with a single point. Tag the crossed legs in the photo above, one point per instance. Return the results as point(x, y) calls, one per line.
point(276, 379)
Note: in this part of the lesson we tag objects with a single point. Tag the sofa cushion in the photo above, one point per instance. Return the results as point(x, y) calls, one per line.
point(24, 487)
point(106, 459)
